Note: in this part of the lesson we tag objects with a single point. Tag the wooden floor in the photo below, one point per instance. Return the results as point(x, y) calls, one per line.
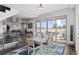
point(70, 50)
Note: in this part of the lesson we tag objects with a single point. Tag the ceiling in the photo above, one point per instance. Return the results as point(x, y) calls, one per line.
point(31, 10)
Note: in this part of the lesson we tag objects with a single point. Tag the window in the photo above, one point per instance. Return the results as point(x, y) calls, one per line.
point(43, 27)
point(51, 25)
point(38, 26)
point(61, 29)
point(61, 22)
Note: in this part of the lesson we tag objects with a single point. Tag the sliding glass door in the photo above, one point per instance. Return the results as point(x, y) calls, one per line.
point(61, 29)
point(57, 28)
point(51, 28)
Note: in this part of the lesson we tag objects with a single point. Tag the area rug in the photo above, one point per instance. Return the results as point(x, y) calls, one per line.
point(54, 49)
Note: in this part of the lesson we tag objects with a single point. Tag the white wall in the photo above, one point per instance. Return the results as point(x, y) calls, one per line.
point(71, 21)
point(77, 28)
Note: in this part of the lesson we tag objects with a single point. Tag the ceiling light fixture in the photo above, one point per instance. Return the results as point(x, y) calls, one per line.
point(41, 7)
